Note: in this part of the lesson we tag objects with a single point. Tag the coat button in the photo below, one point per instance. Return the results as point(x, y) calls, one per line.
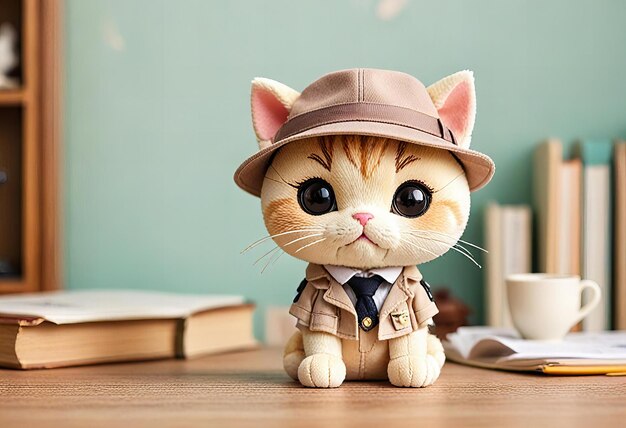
point(367, 322)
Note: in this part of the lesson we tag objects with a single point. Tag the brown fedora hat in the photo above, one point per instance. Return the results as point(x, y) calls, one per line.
point(369, 102)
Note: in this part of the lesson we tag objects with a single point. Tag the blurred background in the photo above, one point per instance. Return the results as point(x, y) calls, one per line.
point(156, 119)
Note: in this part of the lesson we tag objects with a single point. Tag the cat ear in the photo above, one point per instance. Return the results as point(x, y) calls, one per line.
point(271, 103)
point(455, 99)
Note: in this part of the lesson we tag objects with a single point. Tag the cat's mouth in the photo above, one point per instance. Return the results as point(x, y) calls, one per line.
point(363, 237)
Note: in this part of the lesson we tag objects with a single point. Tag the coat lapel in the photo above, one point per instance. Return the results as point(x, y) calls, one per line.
point(317, 276)
point(335, 294)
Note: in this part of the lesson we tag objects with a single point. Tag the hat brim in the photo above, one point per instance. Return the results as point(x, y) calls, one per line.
point(478, 167)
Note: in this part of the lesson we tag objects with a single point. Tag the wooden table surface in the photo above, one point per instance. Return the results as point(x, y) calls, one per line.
point(250, 389)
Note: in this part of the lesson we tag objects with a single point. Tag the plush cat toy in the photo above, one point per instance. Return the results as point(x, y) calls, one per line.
point(364, 175)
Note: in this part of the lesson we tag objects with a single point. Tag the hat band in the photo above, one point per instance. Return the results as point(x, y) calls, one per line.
point(365, 112)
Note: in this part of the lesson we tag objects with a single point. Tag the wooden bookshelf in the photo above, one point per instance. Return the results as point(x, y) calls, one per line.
point(29, 151)
point(12, 98)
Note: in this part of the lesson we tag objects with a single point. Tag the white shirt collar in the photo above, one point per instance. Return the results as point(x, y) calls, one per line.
point(343, 274)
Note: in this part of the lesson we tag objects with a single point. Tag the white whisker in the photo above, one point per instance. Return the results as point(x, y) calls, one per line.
point(308, 245)
point(266, 254)
point(280, 253)
point(303, 237)
point(418, 247)
point(279, 256)
point(469, 257)
point(260, 241)
point(452, 248)
point(461, 247)
point(457, 247)
point(445, 242)
point(473, 246)
point(269, 261)
point(452, 237)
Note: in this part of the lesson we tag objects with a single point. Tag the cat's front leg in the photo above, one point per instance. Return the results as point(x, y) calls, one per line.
point(415, 360)
point(323, 366)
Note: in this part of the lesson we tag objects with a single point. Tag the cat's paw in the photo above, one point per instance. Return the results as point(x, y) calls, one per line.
point(411, 371)
point(322, 371)
point(291, 363)
point(436, 350)
point(294, 354)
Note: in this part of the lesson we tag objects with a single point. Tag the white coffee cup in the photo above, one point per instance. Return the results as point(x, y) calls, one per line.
point(546, 306)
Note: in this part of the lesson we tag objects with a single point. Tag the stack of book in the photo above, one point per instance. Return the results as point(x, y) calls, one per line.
point(71, 328)
point(580, 229)
point(580, 205)
point(508, 230)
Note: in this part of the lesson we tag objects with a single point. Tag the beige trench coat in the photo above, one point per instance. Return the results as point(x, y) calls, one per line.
point(323, 305)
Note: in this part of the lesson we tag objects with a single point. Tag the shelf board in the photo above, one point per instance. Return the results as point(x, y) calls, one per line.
point(12, 96)
point(12, 285)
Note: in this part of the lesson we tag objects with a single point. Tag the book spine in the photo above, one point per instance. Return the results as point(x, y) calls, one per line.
point(516, 242)
point(596, 259)
point(620, 236)
point(493, 235)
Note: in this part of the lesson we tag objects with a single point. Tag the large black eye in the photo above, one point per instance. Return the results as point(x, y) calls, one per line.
point(411, 199)
point(316, 197)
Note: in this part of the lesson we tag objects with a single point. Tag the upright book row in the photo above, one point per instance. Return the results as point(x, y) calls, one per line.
point(508, 242)
point(580, 221)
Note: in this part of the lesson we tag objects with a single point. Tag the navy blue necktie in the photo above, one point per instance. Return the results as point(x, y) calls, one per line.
point(366, 309)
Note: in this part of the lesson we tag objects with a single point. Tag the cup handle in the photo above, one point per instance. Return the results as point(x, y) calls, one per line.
point(596, 294)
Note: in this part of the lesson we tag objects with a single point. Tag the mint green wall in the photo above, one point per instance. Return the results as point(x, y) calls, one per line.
point(157, 118)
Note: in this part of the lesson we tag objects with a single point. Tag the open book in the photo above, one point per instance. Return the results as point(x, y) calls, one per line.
point(503, 349)
point(68, 328)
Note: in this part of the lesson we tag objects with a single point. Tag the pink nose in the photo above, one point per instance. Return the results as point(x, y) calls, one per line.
point(362, 218)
